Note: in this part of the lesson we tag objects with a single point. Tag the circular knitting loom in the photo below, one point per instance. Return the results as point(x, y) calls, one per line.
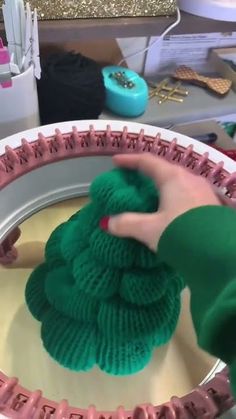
point(37, 170)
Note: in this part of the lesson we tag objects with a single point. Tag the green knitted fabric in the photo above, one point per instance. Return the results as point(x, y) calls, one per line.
point(101, 299)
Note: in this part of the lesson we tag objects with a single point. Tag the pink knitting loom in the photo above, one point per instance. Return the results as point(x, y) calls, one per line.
point(99, 139)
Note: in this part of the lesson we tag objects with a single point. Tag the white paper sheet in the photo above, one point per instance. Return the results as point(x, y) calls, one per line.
point(191, 50)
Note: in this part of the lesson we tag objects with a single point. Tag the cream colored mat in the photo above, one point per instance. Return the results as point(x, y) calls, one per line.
point(174, 370)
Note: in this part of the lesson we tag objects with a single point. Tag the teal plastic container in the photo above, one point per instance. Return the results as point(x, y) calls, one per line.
point(126, 91)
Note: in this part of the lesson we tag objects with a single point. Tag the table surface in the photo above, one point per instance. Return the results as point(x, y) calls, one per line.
point(199, 104)
point(204, 127)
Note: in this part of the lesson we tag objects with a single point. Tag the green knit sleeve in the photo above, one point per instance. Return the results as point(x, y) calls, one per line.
point(201, 246)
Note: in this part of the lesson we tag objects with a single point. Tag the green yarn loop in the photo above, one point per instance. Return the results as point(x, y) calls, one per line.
point(101, 299)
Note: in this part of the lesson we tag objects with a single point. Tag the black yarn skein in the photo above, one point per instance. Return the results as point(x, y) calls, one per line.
point(71, 87)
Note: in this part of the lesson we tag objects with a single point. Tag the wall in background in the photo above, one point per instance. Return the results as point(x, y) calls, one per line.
point(104, 51)
point(130, 46)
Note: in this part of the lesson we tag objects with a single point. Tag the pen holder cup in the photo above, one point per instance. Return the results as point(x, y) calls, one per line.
point(19, 108)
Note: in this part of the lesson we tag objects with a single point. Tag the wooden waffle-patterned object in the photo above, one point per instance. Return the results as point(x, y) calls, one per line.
point(217, 85)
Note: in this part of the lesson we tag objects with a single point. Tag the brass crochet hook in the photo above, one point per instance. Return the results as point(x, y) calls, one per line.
point(164, 98)
point(164, 86)
point(158, 90)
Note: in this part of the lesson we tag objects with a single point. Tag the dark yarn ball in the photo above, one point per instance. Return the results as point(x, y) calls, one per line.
point(71, 87)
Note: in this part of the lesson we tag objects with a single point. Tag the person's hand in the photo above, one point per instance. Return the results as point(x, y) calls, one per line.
point(180, 191)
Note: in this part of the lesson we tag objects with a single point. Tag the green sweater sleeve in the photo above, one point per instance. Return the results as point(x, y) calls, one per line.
point(201, 246)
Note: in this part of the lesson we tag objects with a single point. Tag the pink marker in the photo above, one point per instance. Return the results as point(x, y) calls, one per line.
point(5, 72)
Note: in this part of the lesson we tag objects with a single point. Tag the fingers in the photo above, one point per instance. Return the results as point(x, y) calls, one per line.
point(155, 167)
point(145, 228)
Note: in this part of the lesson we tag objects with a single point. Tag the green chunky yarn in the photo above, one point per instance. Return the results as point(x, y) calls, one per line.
point(101, 299)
